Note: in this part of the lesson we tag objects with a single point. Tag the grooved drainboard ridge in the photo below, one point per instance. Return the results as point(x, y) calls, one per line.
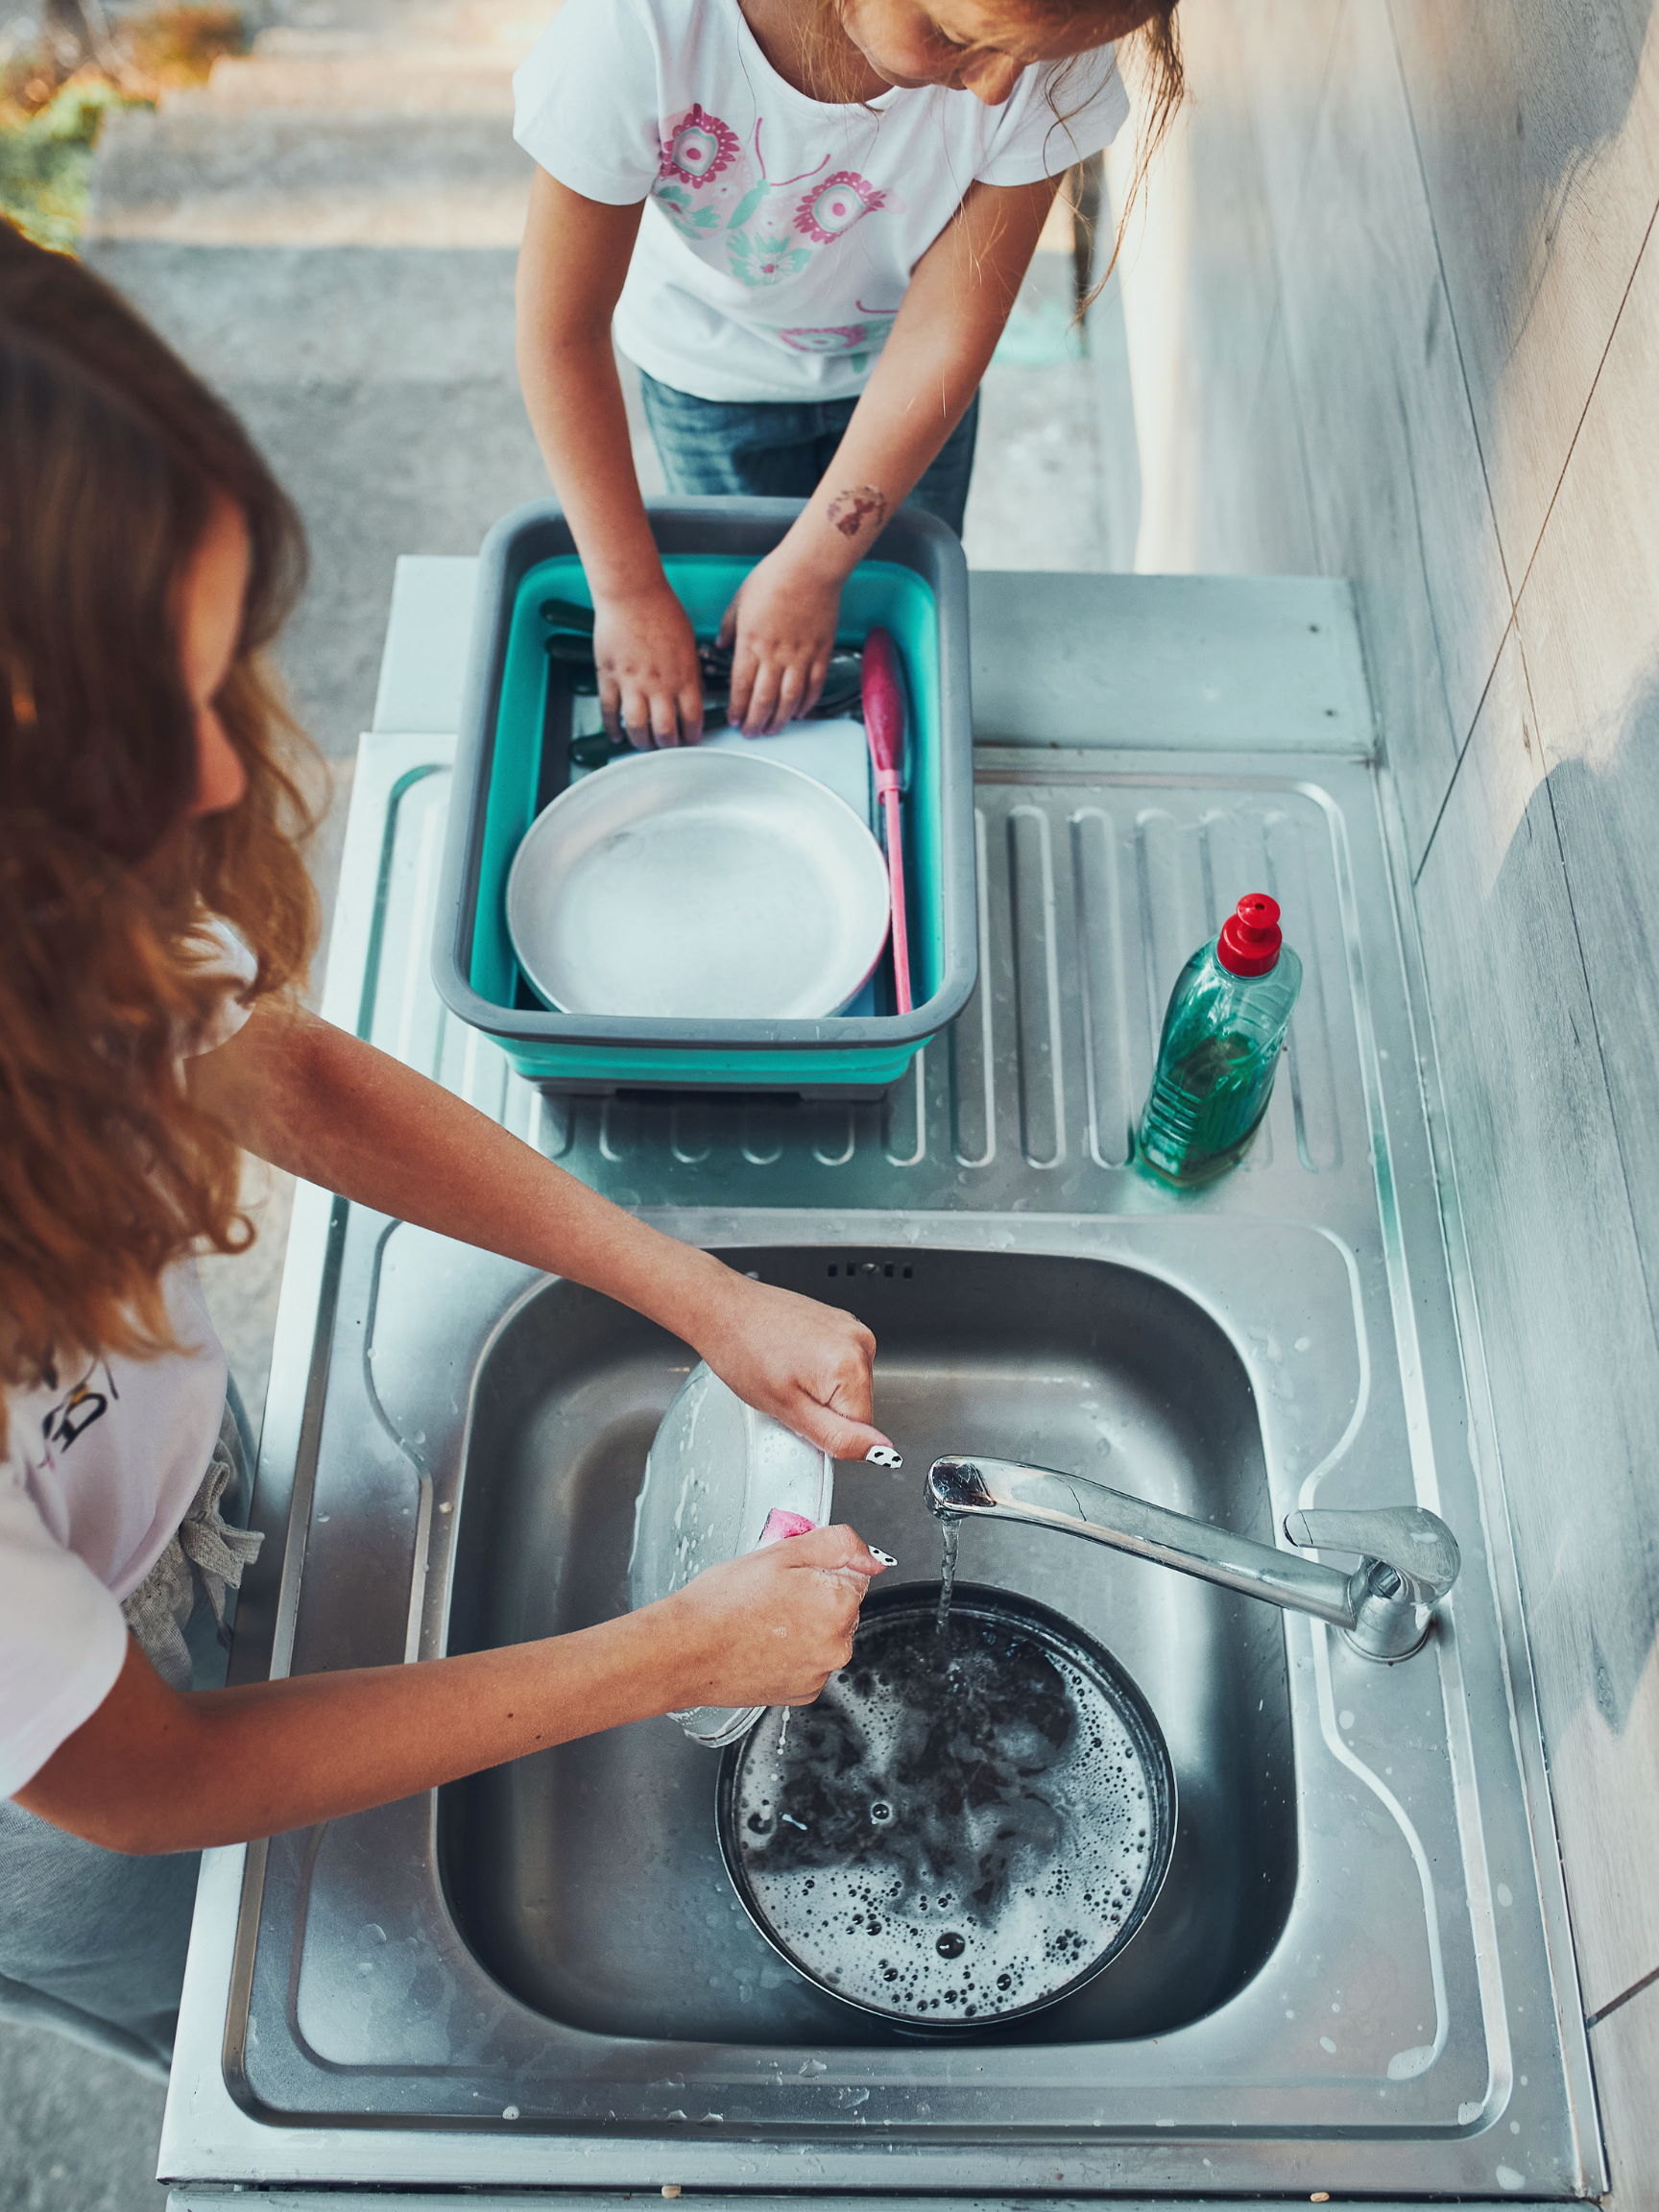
point(1093, 890)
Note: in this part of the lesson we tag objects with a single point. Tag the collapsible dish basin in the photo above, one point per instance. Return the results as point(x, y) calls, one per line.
point(512, 761)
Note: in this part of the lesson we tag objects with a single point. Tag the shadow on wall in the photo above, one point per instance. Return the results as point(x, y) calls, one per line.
point(1511, 102)
point(1549, 87)
point(1542, 1083)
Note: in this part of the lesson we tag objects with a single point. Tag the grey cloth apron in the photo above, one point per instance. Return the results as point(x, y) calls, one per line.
point(200, 1564)
point(93, 1942)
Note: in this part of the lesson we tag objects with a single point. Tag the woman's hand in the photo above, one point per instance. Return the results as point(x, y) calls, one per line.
point(808, 1365)
point(650, 684)
point(156, 1771)
point(306, 1096)
point(781, 626)
point(769, 1629)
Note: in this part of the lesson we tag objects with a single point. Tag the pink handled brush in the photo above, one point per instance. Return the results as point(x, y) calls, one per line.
point(885, 727)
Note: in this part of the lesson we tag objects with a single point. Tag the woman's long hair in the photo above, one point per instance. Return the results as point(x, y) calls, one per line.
point(112, 457)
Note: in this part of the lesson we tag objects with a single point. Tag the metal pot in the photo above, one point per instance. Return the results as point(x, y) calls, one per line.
point(967, 1825)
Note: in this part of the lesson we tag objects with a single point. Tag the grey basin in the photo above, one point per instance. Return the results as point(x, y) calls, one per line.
point(587, 1880)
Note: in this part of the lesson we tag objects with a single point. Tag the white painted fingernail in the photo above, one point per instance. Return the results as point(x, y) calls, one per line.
point(886, 1558)
point(883, 1456)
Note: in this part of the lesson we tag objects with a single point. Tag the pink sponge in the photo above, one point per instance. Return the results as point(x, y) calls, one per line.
point(781, 1524)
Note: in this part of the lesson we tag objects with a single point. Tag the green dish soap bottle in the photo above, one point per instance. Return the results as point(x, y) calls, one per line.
point(1219, 1050)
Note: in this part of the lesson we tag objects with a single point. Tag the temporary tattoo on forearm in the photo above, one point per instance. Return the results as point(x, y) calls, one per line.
point(853, 511)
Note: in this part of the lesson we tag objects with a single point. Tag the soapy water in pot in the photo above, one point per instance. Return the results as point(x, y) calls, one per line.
point(958, 1828)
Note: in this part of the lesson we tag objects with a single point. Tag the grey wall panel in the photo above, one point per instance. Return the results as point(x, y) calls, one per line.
point(1200, 283)
point(1255, 513)
point(1113, 416)
point(1513, 145)
point(1231, 288)
point(1625, 2051)
point(1267, 527)
point(1589, 621)
point(1208, 218)
point(1538, 125)
point(1284, 50)
point(1570, 1342)
point(1399, 494)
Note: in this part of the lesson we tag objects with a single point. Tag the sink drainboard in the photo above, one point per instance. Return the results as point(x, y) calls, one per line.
point(543, 1976)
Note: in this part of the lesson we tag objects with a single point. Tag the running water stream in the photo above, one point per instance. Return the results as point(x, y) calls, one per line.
point(951, 1535)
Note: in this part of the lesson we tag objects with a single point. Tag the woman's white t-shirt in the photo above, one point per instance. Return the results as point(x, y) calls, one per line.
point(101, 1466)
point(780, 232)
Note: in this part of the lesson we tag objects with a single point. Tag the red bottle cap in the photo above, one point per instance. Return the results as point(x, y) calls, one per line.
point(1250, 939)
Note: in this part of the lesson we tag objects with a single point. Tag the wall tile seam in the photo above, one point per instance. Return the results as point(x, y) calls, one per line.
point(1362, 607)
point(1445, 1138)
point(1646, 1982)
point(1276, 324)
point(1463, 737)
point(1441, 658)
point(1452, 325)
point(1276, 317)
point(1524, 1681)
point(1276, 336)
point(1511, 629)
point(1588, 990)
point(1299, 197)
point(1258, 384)
point(1321, 551)
point(1584, 413)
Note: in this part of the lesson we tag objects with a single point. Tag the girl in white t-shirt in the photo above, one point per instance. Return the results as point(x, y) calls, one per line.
point(805, 222)
point(146, 559)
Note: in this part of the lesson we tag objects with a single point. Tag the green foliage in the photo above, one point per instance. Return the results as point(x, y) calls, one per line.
point(46, 162)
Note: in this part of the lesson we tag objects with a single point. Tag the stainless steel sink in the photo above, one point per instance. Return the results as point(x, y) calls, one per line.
point(587, 1880)
point(1359, 1975)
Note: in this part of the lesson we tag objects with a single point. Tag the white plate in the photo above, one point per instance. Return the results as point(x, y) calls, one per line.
point(717, 1470)
point(706, 885)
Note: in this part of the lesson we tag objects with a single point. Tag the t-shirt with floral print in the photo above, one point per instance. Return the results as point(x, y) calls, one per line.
point(780, 232)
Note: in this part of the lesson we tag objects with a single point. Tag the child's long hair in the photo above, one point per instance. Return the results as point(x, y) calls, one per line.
point(112, 455)
point(1155, 52)
point(1154, 49)
point(1156, 46)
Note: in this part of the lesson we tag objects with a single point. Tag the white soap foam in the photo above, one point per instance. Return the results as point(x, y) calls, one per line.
point(960, 1827)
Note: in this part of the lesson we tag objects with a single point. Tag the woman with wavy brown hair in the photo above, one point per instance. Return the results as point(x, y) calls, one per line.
point(155, 918)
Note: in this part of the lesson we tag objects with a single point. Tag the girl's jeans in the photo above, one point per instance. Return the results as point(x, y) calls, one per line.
point(93, 1942)
point(780, 449)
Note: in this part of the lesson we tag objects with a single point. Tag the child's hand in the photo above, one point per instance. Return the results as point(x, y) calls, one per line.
point(650, 684)
point(808, 1365)
point(769, 1629)
point(783, 627)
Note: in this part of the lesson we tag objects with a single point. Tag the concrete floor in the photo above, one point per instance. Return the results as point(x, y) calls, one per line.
point(78, 2133)
point(378, 380)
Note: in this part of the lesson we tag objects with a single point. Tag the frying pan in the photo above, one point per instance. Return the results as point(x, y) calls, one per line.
point(966, 1827)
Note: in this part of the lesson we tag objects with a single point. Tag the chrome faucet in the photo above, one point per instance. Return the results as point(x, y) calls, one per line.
point(1409, 1557)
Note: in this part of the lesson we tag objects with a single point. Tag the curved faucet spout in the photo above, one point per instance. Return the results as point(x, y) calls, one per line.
point(1409, 1557)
